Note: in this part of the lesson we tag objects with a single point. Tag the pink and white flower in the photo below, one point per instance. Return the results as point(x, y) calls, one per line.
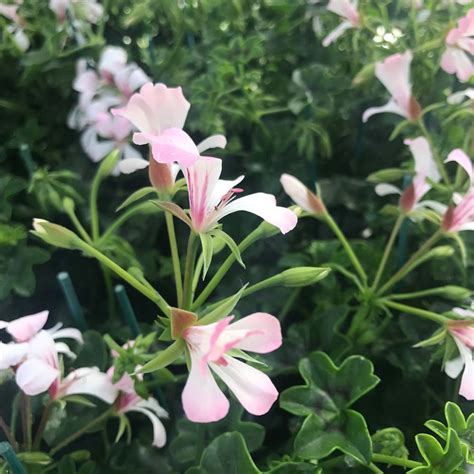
point(457, 59)
point(394, 73)
point(347, 9)
point(461, 96)
point(211, 198)
point(211, 351)
point(16, 28)
point(463, 336)
point(425, 168)
point(129, 401)
point(301, 195)
point(158, 113)
point(88, 10)
point(461, 216)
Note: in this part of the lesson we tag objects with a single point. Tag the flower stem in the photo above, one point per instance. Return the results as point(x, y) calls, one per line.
point(79, 227)
point(42, 426)
point(150, 293)
point(225, 267)
point(388, 250)
point(81, 431)
point(347, 246)
point(27, 420)
point(406, 268)
point(438, 159)
point(189, 270)
point(395, 461)
point(94, 214)
point(8, 434)
point(175, 257)
point(422, 313)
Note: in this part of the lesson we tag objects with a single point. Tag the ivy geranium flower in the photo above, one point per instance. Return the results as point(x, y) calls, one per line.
point(16, 28)
point(129, 401)
point(394, 73)
point(211, 198)
point(212, 349)
point(347, 9)
point(158, 113)
point(457, 59)
point(461, 216)
point(463, 336)
point(425, 168)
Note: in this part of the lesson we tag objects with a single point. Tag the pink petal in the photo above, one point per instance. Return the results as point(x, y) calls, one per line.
point(112, 60)
point(346, 9)
point(203, 401)
point(390, 107)
point(35, 376)
point(90, 381)
point(23, 329)
point(95, 149)
point(297, 191)
point(462, 160)
point(424, 162)
point(467, 382)
point(221, 188)
point(264, 206)
point(336, 33)
point(264, 329)
point(254, 390)
point(456, 61)
point(159, 432)
point(214, 141)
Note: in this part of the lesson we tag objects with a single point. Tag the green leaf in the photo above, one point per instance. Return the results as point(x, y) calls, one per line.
point(348, 433)
point(138, 194)
point(207, 252)
point(437, 460)
point(223, 310)
point(175, 210)
point(391, 442)
point(387, 175)
point(329, 388)
point(226, 454)
point(230, 242)
point(79, 400)
point(165, 357)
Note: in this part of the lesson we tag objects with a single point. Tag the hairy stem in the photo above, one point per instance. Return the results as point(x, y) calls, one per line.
point(189, 270)
point(395, 461)
point(175, 257)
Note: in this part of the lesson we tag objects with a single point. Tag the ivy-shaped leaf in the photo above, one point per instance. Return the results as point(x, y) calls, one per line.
point(226, 454)
point(325, 401)
point(185, 450)
point(457, 422)
point(439, 461)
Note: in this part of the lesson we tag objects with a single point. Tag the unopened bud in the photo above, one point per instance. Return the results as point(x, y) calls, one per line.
point(457, 293)
point(68, 205)
point(55, 234)
point(364, 75)
point(442, 251)
point(108, 164)
point(161, 176)
point(303, 276)
point(387, 175)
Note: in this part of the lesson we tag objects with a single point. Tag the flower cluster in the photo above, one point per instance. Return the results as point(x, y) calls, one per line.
point(101, 87)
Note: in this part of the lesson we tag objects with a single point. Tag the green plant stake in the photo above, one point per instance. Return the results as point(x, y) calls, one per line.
point(71, 299)
point(6, 451)
point(127, 310)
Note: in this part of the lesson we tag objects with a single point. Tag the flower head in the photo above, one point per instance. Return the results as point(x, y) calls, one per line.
point(301, 195)
point(16, 28)
point(211, 198)
point(425, 168)
point(210, 348)
point(394, 73)
point(346, 9)
point(459, 49)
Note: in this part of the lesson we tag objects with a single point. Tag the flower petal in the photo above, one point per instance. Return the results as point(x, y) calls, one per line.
point(462, 160)
point(159, 432)
point(424, 162)
point(35, 376)
point(90, 381)
point(130, 165)
point(265, 333)
point(68, 333)
point(172, 145)
point(254, 389)
point(390, 107)
point(23, 329)
point(214, 141)
point(298, 192)
point(12, 354)
point(337, 33)
point(203, 401)
point(263, 205)
point(385, 189)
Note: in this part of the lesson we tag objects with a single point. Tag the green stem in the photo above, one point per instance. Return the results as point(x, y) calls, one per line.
point(27, 419)
point(406, 268)
point(81, 431)
point(357, 321)
point(225, 267)
point(42, 426)
point(347, 246)
point(109, 288)
point(395, 461)
point(175, 258)
point(438, 159)
point(94, 214)
point(8, 434)
point(388, 250)
point(422, 313)
point(374, 468)
point(79, 227)
point(189, 270)
point(122, 219)
point(150, 293)
point(418, 294)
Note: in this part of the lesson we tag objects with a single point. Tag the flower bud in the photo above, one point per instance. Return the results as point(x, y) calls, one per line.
point(457, 293)
point(108, 164)
point(442, 251)
point(161, 176)
point(387, 175)
point(55, 234)
point(303, 276)
point(366, 73)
